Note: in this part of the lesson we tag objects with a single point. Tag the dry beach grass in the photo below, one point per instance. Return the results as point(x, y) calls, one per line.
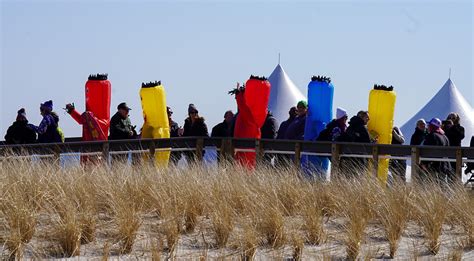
point(143, 212)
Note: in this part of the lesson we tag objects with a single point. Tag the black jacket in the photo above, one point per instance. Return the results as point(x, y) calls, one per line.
point(269, 128)
point(222, 130)
point(120, 128)
point(198, 129)
point(174, 129)
point(455, 135)
point(437, 139)
point(283, 127)
point(418, 137)
point(356, 132)
point(20, 133)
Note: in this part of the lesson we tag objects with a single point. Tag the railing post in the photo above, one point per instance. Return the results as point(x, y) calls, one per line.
point(258, 151)
point(152, 152)
point(458, 173)
point(105, 152)
point(375, 159)
point(199, 148)
point(57, 155)
point(415, 160)
point(335, 159)
point(297, 155)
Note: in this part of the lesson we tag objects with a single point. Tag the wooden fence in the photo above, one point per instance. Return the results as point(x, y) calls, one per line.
point(228, 146)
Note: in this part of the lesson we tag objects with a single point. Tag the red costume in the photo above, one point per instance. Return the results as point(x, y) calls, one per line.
point(252, 103)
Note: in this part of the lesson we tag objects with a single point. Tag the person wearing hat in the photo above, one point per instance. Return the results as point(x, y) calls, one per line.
point(335, 128)
point(20, 131)
point(436, 137)
point(454, 132)
point(194, 126)
point(47, 130)
point(420, 133)
point(120, 126)
point(295, 130)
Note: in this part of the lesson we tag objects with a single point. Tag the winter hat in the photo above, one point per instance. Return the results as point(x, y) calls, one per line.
point(340, 113)
point(47, 105)
point(302, 103)
point(435, 122)
point(123, 106)
point(421, 121)
point(192, 109)
point(21, 114)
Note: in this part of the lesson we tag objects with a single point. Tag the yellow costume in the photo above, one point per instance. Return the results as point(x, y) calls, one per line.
point(156, 123)
point(381, 110)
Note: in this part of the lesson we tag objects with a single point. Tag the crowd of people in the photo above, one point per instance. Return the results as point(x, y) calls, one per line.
point(433, 133)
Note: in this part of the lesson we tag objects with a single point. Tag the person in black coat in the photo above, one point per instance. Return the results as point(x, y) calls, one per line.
point(269, 128)
point(470, 165)
point(356, 132)
point(436, 137)
point(20, 131)
point(398, 167)
point(455, 132)
point(224, 129)
point(420, 133)
point(194, 126)
point(175, 131)
point(269, 131)
point(120, 126)
point(284, 125)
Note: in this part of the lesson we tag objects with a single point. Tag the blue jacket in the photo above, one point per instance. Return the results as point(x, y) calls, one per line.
point(295, 130)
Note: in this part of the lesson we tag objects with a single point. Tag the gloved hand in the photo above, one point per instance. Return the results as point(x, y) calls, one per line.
point(70, 107)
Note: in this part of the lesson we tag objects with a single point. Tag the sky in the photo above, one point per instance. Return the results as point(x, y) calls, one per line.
point(200, 49)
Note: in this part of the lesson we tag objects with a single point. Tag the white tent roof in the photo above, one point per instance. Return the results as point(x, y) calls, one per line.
point(448, 99)
point(283, 95)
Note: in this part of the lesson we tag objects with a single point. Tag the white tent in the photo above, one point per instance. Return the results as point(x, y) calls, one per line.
point(448, 99)
point(283, 95)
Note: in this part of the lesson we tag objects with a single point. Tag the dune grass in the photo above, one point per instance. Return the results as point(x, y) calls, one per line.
point(238, 211)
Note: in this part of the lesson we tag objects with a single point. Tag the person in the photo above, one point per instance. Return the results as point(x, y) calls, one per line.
point(470, 165)
point(269, 131)
point(269, 127)
point(398, 167)
point(194, 126)
point(48, 128)
point(175, 131)
point(120, 126)
point(420, 133)
point(295, 130)
point(20, 132)
point(224, 129)
point(436, 137)
point(284, 160)
point(335, 128)
point(121, 129)
point(356, 132)
point(454, 132)
point(284, 125)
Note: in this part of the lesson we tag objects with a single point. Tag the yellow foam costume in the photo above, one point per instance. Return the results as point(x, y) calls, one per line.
point(155, 117)
point(381, 110)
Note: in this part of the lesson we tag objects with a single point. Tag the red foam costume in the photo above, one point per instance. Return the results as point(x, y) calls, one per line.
point(252, 103)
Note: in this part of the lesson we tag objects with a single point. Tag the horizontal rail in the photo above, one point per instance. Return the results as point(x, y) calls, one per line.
point(228, 146)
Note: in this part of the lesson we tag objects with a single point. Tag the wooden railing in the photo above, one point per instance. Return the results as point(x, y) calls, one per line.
point(228, 146)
